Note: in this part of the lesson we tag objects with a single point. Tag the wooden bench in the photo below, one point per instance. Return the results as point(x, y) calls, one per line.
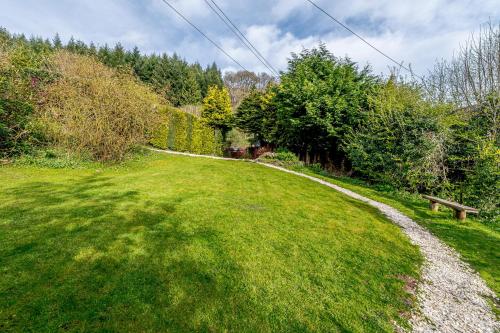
point(460, 210)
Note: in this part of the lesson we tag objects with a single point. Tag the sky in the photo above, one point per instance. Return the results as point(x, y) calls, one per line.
point(416, 32)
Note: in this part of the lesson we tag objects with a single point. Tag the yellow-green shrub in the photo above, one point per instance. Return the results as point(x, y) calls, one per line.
point(182, 131)
point(96, 110)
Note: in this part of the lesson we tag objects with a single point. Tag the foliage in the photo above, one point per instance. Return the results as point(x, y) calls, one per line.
point(217, 111)
point(256, 115)
point(93, 109)
point(481, 187)
point(179, 244)
point(470, 82)
point(471, 78)
point(171, 76)
point(282, 157)
point(208, 77)
point(33, 89)
point(22, 76)
point(319, 102)
point(176, 80)
point(237, 139)
point(286, 156)
point(402, 141)
point(182, 131)
point(56, 159)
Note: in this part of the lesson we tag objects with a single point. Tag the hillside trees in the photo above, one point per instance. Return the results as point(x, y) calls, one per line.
point(208, 77)
point(89, 99)
point(174, 78)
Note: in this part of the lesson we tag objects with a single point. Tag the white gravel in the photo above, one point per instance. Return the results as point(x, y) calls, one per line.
point(451, 296)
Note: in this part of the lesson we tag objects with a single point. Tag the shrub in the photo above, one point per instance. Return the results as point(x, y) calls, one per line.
point(91, 108)
point(282, 157)
point(402, 143)
point(319, 102)
point(182, 131)
point(286, 156)
point(481, 186)
point(217, 111)
point(22, 74)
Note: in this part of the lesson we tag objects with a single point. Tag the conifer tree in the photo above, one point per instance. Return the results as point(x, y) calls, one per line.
point(56, 42)
point(217, 110)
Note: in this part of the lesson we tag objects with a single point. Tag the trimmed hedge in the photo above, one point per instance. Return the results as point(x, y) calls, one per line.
point(181, 131)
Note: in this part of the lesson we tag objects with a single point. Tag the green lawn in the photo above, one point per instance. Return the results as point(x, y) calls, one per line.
point(170, 243)
point(478, 243)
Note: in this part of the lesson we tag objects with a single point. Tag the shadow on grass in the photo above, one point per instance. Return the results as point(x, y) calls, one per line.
point(85, 255)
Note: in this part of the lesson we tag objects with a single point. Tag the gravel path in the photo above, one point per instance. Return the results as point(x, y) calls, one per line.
point(451, 296)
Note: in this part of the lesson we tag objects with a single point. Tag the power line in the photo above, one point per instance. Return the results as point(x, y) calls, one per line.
point(235, 32)
point(204, 35)
point(242, 37)
point(364, 40)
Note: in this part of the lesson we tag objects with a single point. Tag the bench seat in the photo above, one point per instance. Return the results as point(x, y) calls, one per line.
point(460, 210)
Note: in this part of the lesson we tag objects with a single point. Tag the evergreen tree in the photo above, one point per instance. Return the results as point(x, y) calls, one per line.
point(117, 57)
point(132, 58)
point(320, 101)
point(174, 79)
point(104, 54)
point(256, 115)
point(71, 45)
point(213, 77)
point(92, 50)
point(217, 110)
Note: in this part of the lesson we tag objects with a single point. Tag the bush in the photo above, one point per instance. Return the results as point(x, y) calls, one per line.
point(182, 131)
point(481, 186)
point(217, 111)
point(402, 143)
point(92, 109)
point(22, 74)
point(283, 158)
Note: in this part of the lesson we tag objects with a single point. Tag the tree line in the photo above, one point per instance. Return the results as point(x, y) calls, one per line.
point(174, 78)
point(438, 136)
point(97, 103)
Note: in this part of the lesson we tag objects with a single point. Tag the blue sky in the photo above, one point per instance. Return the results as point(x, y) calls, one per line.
point(417, 32)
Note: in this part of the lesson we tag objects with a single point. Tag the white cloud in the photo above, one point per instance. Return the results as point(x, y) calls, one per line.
point(417, 32)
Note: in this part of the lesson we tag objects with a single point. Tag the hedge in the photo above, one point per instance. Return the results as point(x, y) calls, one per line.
point(182, 131)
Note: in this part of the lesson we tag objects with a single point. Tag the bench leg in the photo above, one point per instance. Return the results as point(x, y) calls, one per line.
point(434, 206)
point(460, 214)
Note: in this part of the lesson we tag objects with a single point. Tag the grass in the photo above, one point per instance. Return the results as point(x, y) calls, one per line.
point(177, 244)
point(477, 242)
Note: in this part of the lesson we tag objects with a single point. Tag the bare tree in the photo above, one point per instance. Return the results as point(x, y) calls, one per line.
point(471, 79)
point(241, 83)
